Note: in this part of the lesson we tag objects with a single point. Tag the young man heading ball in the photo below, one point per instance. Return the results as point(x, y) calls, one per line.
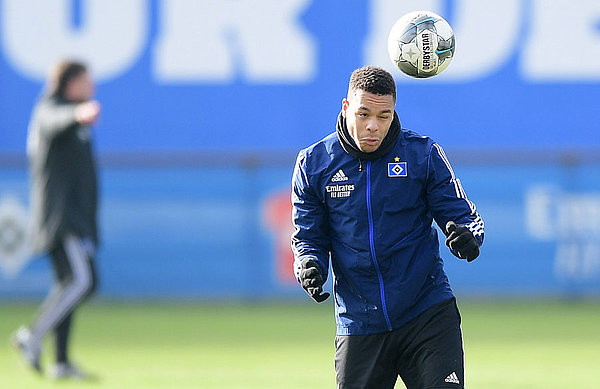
point(366, 196)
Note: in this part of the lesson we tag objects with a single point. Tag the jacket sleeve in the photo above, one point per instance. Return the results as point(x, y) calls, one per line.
point(446, 197)
point(53, 118)
point(310, 239)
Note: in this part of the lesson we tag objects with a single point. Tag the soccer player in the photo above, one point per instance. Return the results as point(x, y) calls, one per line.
point(366, 197)
point(64, 205)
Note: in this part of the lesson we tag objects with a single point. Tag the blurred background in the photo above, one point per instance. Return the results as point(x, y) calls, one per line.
point(206, 103)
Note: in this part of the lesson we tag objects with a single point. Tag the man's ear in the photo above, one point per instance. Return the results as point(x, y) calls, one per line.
point(345, 104)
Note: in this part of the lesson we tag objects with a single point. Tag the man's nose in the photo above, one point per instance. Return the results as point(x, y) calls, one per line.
point(372, 125)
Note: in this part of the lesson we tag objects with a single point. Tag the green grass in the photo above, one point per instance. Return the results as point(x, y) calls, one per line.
point(517, 345)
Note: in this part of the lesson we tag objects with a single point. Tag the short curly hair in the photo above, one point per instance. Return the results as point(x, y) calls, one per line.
point(372, 79)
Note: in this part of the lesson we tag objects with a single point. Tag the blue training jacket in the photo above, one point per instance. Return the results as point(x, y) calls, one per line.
point(374, 219)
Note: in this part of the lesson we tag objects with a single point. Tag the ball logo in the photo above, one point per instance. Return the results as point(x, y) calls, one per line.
point(428, 46)
point(426, 50)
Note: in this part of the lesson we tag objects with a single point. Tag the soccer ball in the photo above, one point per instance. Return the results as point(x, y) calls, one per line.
point(421, 44)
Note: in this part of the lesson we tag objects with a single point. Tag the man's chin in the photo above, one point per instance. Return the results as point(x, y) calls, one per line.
point(368, 149)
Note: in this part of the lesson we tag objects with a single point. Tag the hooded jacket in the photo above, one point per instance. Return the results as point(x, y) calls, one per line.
point(64, 196)
point(374, 219)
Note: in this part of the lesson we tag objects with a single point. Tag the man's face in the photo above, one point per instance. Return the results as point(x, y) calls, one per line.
point(368, 117)
point(80, 88)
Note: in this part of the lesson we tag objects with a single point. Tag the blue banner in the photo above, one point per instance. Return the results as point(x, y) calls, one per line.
point(270, 74)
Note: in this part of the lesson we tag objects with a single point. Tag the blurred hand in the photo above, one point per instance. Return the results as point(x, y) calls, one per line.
point(461, 239)
point(312, 281)
point(87, 113)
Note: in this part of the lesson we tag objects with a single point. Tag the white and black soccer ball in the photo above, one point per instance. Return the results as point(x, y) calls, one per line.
point(421, 44)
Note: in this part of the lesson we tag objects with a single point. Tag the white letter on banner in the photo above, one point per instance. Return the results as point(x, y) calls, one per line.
point(35, 34)
point(216, 40)
point(486, 34)
point(540, 212)
point(564, 43)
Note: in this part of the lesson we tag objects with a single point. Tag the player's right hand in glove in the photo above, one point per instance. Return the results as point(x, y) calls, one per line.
point(462, 241)
point(312, 280)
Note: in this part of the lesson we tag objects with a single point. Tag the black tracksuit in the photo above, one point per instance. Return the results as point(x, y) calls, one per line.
point(64, 204)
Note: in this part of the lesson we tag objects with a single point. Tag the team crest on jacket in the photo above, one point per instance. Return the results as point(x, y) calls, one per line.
point(397, 168)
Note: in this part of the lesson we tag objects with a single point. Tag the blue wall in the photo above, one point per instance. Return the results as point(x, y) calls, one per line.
point(202, 232)
point(195, 86)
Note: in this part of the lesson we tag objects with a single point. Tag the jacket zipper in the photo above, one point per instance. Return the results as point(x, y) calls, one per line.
point(372, 244)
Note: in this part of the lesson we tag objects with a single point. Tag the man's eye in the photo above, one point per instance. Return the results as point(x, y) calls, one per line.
point(386, 117)
point(362, 115)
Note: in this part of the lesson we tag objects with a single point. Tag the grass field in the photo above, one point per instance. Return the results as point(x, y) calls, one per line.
point(508, 345)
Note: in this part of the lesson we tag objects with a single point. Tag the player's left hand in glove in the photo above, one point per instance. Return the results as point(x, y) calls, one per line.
point(462, 241)
point(312, 280)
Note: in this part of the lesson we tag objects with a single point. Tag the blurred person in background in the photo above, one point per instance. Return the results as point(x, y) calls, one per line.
point(64, 200)
point(366, 196)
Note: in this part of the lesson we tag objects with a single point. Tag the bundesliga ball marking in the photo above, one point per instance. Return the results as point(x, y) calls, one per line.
point(410, 53)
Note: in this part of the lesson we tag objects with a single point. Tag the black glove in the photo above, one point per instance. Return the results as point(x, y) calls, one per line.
point(462, 240)
point(312, 281)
